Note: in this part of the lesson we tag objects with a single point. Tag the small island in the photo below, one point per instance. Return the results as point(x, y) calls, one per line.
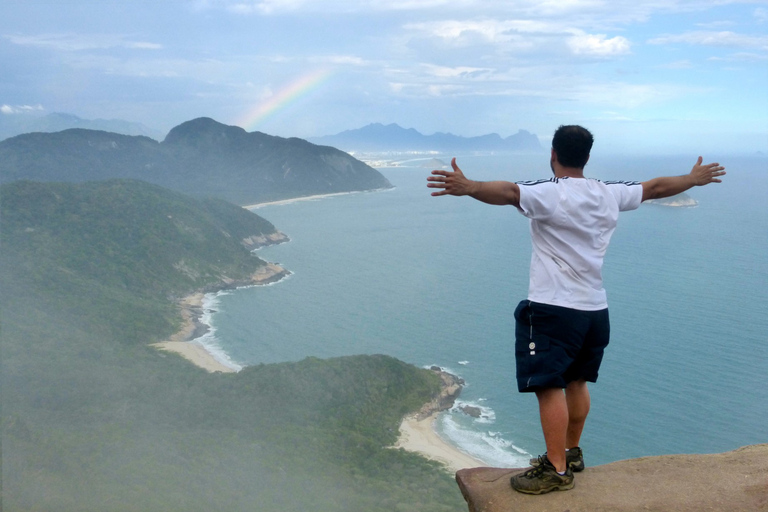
point(679, 201)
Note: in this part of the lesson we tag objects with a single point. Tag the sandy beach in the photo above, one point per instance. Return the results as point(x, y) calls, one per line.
point(294, 200)
point(417, 432)
point(419, 436)
point(191, 307)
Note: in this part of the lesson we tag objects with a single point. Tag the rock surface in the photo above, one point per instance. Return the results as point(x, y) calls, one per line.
point(450, 389)
point(733, 481)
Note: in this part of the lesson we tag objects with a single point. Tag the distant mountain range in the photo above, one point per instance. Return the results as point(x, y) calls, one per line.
point(392, 137)
point(17, 124)
point(200, 157)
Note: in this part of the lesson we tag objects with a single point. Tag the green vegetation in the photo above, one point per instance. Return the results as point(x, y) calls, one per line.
point(96, 420)
point(200, 157)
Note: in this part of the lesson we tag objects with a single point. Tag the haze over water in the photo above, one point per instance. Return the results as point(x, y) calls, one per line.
point(434, 281)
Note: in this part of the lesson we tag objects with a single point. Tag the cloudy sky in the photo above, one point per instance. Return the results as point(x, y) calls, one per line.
point(657, 75)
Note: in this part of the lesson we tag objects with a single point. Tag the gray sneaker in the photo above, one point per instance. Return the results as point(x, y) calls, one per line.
point(542, 478)
point(573, 457)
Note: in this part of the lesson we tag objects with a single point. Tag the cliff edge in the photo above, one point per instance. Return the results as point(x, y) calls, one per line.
point(733, 481)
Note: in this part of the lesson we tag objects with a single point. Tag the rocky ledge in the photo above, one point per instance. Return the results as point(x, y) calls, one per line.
point(734, 481)
point(258, 241)
point(450, 389)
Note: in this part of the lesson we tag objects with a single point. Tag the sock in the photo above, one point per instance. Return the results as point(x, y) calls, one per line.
point(563, 473)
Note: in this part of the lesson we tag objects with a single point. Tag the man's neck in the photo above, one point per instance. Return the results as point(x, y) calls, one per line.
point(568, 172)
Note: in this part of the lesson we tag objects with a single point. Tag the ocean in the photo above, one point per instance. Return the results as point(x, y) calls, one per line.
point(434, 281)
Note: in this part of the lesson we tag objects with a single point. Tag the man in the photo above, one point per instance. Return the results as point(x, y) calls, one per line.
point(562, 328)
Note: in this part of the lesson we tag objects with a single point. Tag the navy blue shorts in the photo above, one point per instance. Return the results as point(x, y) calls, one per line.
point(555, 345)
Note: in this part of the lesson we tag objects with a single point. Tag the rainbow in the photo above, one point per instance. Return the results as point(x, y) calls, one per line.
point(283, 98)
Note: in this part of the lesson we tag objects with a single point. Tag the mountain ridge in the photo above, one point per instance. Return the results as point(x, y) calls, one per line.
point(393, 137)
point(199, 157)
point(20, 123)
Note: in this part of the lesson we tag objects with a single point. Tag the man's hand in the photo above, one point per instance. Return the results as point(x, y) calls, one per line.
point(705, 174)
point(452, 182)
point(456, 184)
point(659, 188)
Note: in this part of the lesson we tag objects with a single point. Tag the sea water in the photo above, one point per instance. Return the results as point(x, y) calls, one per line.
point(435, 280)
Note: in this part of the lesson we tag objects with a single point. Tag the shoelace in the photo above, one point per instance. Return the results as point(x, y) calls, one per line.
point(537, 470)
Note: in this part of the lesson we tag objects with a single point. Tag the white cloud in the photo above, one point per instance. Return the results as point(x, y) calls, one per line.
point(340, 60)
point(264, 6)
point(742, 57)
point(455, 72)
point(488, 30)
point(628, 95)
point(598, 45)
point(761, 14)
point(706, 38)
point(520, 35)
point(78, 42)
point(20, 109)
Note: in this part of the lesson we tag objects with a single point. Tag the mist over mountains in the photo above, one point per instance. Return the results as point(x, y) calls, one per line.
point(392, 137)
point(95, 419)
point(198, 157)
point(19, 123)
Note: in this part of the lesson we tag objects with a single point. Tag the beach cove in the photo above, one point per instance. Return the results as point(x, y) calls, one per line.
point(417, 431)
point(185, 341)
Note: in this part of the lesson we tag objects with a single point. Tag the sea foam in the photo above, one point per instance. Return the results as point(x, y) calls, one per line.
point(488, 446)
point(209, 341)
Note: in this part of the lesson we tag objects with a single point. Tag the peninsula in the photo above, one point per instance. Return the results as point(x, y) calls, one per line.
point(98, 271)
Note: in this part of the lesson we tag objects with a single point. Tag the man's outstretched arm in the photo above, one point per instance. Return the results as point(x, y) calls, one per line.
point(658, 188)
point(454, 183)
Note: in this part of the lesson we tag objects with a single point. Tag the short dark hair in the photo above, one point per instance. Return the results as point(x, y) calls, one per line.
point(572, 144)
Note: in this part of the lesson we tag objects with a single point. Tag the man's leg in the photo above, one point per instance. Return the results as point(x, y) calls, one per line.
point(578, 401)
point(553, 410)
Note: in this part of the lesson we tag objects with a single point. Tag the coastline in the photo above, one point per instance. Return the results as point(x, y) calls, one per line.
point(256, 206)
point(419, 436)
point(417, 432)
point(191, 308)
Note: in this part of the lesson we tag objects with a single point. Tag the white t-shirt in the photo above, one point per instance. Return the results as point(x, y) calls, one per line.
point(572, 220)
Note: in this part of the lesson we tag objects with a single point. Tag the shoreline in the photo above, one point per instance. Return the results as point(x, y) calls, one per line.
point(417, 432)
point(183, 342)
point(419, 436)
point(256, 206)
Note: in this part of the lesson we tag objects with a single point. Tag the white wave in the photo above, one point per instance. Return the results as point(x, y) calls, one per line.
point(211, 345)
point(463, 362)
point(487, 415)
point(490, 447)
point(209, 341)
point(246, 286)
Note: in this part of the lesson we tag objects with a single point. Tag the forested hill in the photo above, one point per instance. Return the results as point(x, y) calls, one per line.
point(123, 247)
point(198, 157)
point(94, 419)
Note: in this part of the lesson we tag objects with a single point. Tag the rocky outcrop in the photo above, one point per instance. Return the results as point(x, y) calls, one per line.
point(471, 410)
point(450, 389)
point(734, 481)
point(258, 241)
point(269, 273)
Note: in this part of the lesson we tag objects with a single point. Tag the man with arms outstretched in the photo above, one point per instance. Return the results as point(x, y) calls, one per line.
point(562, 328)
